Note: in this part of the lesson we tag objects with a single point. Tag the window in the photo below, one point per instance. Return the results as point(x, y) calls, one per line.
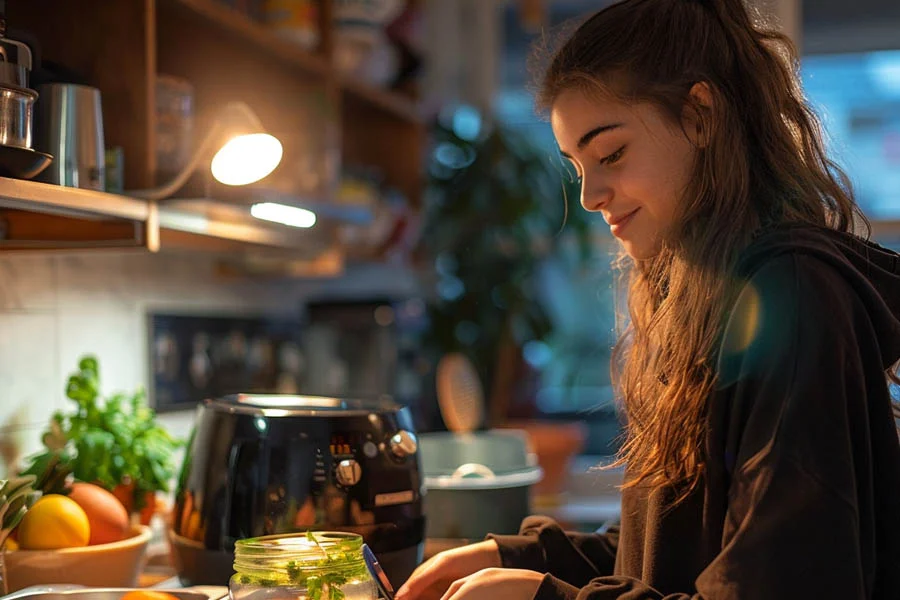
point(858, 98)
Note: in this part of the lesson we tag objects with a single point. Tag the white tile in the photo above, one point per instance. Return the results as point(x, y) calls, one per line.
point(117, 338)
point(30, 389)
point(27, 282)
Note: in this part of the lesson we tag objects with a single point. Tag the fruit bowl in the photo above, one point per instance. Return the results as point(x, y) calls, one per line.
point(117, 564)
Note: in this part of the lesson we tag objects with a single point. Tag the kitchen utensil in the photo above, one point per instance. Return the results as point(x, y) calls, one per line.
point(460, 393)
point(269, 464)
point(15, 57)
point(69, 126)
point(16, 111)
point(22, 163)
point(478, 483)
point(79, 592)
point(377, 573)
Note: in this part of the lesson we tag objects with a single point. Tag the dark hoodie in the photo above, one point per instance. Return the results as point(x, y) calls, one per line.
point(801, 495)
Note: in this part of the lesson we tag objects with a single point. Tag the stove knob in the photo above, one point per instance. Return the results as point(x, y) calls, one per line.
point(348, 472)
point(403, 444)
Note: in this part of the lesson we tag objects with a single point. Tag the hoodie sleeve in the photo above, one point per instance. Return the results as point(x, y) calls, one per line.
point(797, 357)
point(543, 546)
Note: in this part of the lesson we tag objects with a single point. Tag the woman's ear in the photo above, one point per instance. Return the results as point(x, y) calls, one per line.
point(696, 114)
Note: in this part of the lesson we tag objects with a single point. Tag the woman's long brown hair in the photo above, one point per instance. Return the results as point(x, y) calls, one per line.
point(764, 162)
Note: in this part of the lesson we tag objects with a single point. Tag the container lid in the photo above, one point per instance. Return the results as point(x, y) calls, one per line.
point(484, 460)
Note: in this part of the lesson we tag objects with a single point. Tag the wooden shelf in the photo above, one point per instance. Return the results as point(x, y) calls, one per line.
point(241, 28)
point(325, 120)
point(396, 104)
point(41, 216)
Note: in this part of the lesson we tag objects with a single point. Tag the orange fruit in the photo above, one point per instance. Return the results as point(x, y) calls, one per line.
point(147, 595)
point(107, 517)
point(54, 521)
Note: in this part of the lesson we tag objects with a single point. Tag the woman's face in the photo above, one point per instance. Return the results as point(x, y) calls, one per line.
point(633, 162)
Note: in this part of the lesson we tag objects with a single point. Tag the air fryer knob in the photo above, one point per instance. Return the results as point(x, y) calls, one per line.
point(348, 472)
point(403, 444)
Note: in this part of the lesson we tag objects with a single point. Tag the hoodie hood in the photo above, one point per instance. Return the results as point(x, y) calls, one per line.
point(872, 271)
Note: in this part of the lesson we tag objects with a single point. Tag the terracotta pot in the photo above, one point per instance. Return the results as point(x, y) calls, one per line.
point(554, 443)
point(125, 493)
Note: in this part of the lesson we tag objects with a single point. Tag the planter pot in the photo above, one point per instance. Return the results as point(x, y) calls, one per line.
point(477, 483)
point(125, 493)
point(554, 444)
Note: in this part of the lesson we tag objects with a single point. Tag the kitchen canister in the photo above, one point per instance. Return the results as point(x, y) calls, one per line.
point(69, 126)
point(174, 125)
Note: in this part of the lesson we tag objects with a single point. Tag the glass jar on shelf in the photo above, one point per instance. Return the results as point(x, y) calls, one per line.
point(320, 565)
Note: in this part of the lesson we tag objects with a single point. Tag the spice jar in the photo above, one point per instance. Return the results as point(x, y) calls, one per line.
point(320, 565)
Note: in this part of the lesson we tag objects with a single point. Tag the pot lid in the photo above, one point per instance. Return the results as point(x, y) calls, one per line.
point(483, 460)
point(475, 476)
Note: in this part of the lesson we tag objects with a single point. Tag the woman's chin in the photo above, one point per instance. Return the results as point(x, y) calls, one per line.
point(639, 251)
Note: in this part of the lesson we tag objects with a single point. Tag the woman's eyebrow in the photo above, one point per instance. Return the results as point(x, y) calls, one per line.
point(590, 135)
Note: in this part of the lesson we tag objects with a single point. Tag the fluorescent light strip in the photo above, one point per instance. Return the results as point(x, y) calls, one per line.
point(284, 214)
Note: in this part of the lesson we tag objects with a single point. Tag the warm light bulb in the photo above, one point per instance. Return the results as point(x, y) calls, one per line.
point(284, 214)
point(246, 158)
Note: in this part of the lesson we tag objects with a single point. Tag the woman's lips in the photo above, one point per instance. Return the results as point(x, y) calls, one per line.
point(617, 225)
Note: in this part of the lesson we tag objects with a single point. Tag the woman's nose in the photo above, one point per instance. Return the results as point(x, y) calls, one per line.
point(595, 194)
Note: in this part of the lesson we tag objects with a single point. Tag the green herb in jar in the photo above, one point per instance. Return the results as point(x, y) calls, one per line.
point(314, 566)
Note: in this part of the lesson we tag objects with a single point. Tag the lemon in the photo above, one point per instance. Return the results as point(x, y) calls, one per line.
point(54, 521)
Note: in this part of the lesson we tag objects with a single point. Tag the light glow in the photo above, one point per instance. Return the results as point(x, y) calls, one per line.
point(284, 214)
point(245, 159)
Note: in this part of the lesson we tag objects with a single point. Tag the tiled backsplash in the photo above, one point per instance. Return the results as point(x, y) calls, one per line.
point(55, 308)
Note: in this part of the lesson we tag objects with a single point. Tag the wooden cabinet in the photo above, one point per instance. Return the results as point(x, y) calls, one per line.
point(121, 46)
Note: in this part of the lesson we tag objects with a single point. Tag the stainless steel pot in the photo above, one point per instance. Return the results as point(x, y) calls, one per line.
point(478, 483)
point(16, 109)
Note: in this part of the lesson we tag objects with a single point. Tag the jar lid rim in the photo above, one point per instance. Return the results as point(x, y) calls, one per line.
point(315, 544)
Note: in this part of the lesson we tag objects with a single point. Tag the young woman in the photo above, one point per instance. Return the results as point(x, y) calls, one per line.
point(762, 459)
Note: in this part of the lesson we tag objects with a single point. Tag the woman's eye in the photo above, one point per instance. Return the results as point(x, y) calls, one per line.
point(572, 171)
point(615, 156)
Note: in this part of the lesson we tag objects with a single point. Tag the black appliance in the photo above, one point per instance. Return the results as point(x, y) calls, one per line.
point(266, 464)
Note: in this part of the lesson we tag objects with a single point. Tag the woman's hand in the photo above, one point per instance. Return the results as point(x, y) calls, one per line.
point(435, 576)
point(490, 584)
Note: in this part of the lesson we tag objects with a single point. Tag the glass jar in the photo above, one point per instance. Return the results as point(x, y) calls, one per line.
point(320, 565)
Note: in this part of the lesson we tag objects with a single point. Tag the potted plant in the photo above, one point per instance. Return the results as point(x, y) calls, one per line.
point(114, 442)
point(497, 210)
